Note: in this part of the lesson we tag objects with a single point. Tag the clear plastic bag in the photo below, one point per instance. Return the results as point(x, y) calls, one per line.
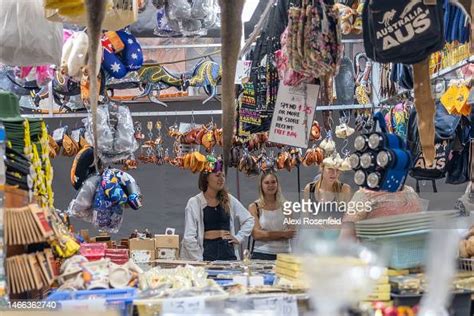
point(192, 27)
point(115, 131)
point(201, 8)
point(179, 9)
point(27, 37)
point(212, 19)
point(81, 206)
point(106, 216)
point(146, 19)
point(108, 219)
point(105, 134)
point(124, 140)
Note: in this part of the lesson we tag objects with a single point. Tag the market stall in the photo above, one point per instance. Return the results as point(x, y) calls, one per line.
point(380, 91)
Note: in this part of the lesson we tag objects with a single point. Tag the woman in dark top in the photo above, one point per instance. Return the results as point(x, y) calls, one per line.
point(209, 232)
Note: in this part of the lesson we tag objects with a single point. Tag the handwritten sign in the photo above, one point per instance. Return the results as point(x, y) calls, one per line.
point(183, 306)
point(280, 305)
point(293, 115)
point(242, 70)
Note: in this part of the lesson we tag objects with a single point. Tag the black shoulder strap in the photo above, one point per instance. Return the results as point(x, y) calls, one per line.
point(312, 188)
point(258, 209)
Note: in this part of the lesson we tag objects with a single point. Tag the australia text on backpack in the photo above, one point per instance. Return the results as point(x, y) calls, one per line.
point(413, 20)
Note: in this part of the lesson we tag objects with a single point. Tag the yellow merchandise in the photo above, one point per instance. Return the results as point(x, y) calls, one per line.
point(378, 297)
point(382, 288)
point(73, 11)
point(289, 266)
point(392, 272)
point(60, 4)
point(288, 258)
point(455, 99)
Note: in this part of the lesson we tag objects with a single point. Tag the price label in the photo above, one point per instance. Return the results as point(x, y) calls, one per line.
point(280, 305)
point(184, 306)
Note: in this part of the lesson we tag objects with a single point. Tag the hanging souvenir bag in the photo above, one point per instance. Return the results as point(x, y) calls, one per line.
point(458, 164)
point(445, 131)
point(27, 38)
point(404, 31)
point(344, 82)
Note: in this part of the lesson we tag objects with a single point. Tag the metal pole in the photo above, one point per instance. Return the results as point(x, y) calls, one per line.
point(237, 179)
point(299, 182)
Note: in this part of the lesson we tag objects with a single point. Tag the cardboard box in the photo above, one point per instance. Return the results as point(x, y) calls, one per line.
point(167, 241)
point(167, 245)
point(142, 250)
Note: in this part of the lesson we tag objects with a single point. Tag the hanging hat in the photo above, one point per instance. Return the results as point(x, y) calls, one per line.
point(9, 107)
point(82, 167)
point(336, 162)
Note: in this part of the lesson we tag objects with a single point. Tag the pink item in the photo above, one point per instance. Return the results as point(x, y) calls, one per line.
point(385, 203)
point(25, 71)
point(117, 256)
point(93, 251)
point(44, 74)
point(66, 34)
point(285, 72)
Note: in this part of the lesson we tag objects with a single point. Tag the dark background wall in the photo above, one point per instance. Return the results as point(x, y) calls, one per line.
point(166, 189)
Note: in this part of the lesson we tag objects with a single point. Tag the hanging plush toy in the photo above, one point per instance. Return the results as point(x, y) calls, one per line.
point(115, 189)
point(122, 53)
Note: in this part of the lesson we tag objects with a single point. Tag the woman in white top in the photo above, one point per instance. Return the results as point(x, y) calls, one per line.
point(271, 235)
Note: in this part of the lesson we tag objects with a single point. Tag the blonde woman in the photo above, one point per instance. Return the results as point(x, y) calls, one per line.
point(327, 187)
point(328, 196)
point(270, 233)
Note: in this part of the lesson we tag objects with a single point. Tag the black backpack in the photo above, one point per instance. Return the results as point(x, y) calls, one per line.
point(445, 133)
point(402, 31)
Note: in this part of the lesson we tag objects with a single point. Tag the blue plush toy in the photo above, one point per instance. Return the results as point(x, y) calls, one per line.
point(122, 53)
point(115, 189)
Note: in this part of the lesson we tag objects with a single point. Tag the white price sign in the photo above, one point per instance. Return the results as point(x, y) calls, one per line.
point(242, 70)
point(280, 305)
point(293, 115)
point(183, 306)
